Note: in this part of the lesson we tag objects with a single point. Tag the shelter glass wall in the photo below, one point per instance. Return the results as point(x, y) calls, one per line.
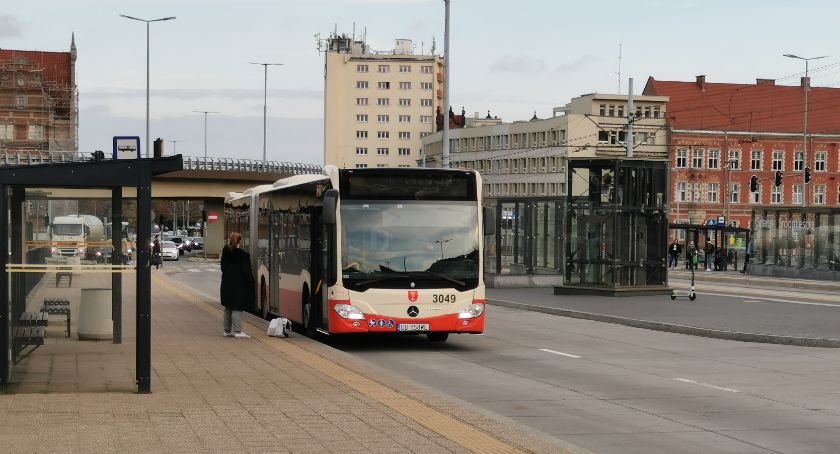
point(71, 293)
point(785, 238)
point(528, 237)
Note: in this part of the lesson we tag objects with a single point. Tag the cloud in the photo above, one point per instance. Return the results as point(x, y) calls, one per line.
point(518, 64)
point(198, 93)
point(578, 63)
point(10, 26)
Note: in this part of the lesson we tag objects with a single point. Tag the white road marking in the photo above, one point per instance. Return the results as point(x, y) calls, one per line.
point(558, 353)
point(193, 270)
point(719, 388)
point(752, 301)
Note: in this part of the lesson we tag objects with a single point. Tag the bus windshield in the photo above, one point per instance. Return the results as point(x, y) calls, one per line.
point(409, 244)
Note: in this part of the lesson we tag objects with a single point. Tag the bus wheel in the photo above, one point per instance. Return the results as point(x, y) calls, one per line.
point(308, 322)
point(437, 337)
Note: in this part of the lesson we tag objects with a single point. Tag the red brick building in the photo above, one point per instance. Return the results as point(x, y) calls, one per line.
point(38, 101)
point(722, 134)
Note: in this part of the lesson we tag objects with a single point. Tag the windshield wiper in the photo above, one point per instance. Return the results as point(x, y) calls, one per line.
point(409, 274)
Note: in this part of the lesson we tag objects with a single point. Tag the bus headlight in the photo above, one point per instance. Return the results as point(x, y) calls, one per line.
point(471, 311)
point(349, 312)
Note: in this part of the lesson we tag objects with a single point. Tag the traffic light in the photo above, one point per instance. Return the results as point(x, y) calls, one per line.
point(778, 180)
point(753, 183)
point(807, 175)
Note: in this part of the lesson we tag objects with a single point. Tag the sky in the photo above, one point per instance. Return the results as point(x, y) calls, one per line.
point(511, 58)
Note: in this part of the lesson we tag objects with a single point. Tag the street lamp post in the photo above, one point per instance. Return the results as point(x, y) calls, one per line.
point(147, 21)
point(805, 87)
point(175, 146)
point(441, 245)
point(265, 98)
point(445, 110)
point(205, 112)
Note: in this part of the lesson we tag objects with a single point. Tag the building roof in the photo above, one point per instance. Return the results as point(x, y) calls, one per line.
point(55, 65)
point(760, 107)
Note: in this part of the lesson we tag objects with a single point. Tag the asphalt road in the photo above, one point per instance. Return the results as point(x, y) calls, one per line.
point(616, 389)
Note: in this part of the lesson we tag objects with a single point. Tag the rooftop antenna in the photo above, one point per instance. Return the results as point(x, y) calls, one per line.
point(318, 42)
point(433, 46)
point(354, 31)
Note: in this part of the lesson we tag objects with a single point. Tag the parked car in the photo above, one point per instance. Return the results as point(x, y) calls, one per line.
point(198, 243)
point(169, 250)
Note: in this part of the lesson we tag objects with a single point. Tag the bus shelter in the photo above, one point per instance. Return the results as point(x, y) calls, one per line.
point(727, 245)
point(39, 261)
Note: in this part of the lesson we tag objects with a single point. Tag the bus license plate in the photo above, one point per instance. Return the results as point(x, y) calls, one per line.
point(413, 327)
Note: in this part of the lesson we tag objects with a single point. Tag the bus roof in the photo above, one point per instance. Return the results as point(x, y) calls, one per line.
point(295, 180)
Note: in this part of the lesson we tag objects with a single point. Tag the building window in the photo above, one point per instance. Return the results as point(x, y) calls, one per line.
point(682, 155)
point(36, 132)
point(381, 165)
point(655, 111)
point(405, 68)
point(405, 102)
point(384, 85)
point(382, 151)
point(426, 102)
point(403, 165)
point(713, 192)
point(404, 151)
point(697, 158)
point(778, 160)
point(425, 118)
point(819, 161)
point(425, 85)
point(796, 199)
point(383, 134)
point(714, 159)
point(735, 159)
point(602, 110)
point(819, 195)
point(603, 137)
point(405, 118)
point(755, 197)
point(361, 101)
point(7, 132)
point(363, 84)
point(733, 193)
point(611, 110)
point(383, 118)
point(361, 150)
point(681, 192)
point(361, 68)
point(426, 69)
point(776, 194)
point(797, 161)
point(361, 118)
point(405, 85)
point(361, 166)
point(755, 160)
point(405, 135)
point(647, 111)
point(383, 101)
point(384, 68)
point(361, 134)
point(424, 134)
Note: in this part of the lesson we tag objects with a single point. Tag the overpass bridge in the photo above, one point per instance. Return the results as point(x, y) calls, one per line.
point(206, 180)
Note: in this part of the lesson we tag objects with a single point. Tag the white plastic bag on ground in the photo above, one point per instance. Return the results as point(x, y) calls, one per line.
point(279, 327)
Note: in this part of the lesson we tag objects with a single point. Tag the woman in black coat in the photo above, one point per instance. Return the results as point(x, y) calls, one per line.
point(237, 290)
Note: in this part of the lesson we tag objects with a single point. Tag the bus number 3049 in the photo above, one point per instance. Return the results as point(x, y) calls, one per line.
point(443, 298)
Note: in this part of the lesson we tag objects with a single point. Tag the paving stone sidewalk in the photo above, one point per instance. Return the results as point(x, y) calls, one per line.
point(217, 394)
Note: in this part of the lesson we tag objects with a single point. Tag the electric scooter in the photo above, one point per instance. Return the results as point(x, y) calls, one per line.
point(691, 295)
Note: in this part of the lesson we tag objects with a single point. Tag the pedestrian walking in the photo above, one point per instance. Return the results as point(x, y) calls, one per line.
point(238, 287)
point(692, 249)
point(126, 251)
point(674, 251)
point(157, 260)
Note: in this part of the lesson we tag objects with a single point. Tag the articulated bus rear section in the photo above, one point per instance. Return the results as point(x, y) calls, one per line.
point(370, 250)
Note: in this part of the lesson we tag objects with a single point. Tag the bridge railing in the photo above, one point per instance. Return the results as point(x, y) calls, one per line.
point(17, 158)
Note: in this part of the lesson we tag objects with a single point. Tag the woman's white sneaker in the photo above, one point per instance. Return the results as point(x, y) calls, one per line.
point(242, 335)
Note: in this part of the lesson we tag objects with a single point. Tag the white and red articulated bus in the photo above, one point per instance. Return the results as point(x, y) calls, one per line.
point(375, 250)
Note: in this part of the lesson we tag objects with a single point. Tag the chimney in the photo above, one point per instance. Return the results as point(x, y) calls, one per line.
point(805, 81)
point(701, 82)
point(765, 81)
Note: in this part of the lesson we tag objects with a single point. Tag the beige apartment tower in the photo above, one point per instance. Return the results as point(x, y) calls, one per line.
point(378, 104)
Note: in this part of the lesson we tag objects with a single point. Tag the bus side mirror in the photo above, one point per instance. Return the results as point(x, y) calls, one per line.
point(330, 200)
point(489, 221)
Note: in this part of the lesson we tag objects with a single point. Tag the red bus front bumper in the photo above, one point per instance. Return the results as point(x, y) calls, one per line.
point(372, 323)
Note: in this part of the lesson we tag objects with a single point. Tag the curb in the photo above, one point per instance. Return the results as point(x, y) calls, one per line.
point(807, 284)
point(673, 328)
